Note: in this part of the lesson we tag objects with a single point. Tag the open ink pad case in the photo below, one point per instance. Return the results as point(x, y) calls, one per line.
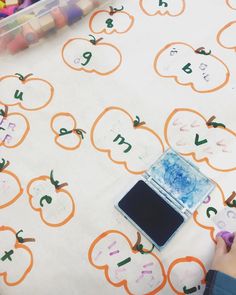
point(165, 198)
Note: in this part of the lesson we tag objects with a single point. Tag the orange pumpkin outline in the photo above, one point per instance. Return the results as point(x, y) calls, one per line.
point(105, 31)
point(58, 136)
point(191, 84)
point(230, 6)
point(68, 218)
point(192, 154)
point(93, 70)
point(108, 151)
point(105, 268)
point(218, 37)
point(180, 260)
point(210, 228)
point(2, 143)
point(159, 12)
point(13, 200)
point(25, 82)
point(17, 246)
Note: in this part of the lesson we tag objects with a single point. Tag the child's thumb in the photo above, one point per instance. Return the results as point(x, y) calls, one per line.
point(221, 247)
point(233, 247)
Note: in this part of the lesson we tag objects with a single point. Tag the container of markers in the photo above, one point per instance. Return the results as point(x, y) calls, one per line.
point(33, 23)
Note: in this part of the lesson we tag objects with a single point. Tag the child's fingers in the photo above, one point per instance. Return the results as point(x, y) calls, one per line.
point(221, 247)
point(233, 247)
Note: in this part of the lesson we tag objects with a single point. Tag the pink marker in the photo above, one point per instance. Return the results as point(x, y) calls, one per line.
point(181, 143)
point(176, 122)
point(225, 150)
point(112, 244)
point(7, 138)
point(144, 272)
point(139, 278)
point(114, 252)
point(120, 270)
point(183, 128)
point(195, 124)
point(97, 256)
point(3, 120)
point(9, 10)
point(207, 200)
point(221, 143)
point(148, 264)
point(11, 126)
point(208, 150)
point(151, 284)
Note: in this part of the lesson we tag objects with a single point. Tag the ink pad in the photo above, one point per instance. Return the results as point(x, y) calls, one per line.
point(149, 210)
point(171, 190)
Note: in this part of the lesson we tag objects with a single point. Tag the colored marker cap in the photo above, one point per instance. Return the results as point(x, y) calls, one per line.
point(86, 6)
point(47, 23)
point(29, 34)
point(24, 18)
point(25, 4)
point(17, 44)
point(9, 10)
point(73, 13)
point(2, 4)
point(59, 17)
point(11, 2)
point(227, 237)
point(4, 40)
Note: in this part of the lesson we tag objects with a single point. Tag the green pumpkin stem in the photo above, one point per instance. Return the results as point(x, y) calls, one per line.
point(4, 112)
point(23, 78)
point(139, 247)
point(4, 165)
point(115, 10)
point(80, 132)
point(23, 240)
point(94, 41)
point(56, 182)
point(137, 122)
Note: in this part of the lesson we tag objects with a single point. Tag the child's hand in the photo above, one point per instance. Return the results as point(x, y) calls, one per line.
point(225, 261)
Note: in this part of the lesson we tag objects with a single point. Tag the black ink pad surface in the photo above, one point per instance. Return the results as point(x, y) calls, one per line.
point(151, 213)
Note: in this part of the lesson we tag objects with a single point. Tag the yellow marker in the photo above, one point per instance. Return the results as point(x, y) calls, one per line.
point(2, 4)
point(24, 18)
point(86, 6)
point(11, 2)
point(46, 22)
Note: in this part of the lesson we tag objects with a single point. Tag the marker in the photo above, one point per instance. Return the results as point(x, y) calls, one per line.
point(148, 264)
point(86, 6)
point(123, 262)
point(227, 237)
point(17, 44)
point(29, 34)
point(139, 278)
point(146, 272)
point(112, 244)
point(114, 252)
point(25, 4)
point(97, 256)
point(37, 23)
point(73, 13)
point(47, 23)
point(59, 17)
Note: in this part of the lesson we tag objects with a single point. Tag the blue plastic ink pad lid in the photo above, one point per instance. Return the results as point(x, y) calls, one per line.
point(171, 190)
point(181, 180)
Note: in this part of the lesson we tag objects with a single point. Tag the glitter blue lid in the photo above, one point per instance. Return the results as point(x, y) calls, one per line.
point(181, 180)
